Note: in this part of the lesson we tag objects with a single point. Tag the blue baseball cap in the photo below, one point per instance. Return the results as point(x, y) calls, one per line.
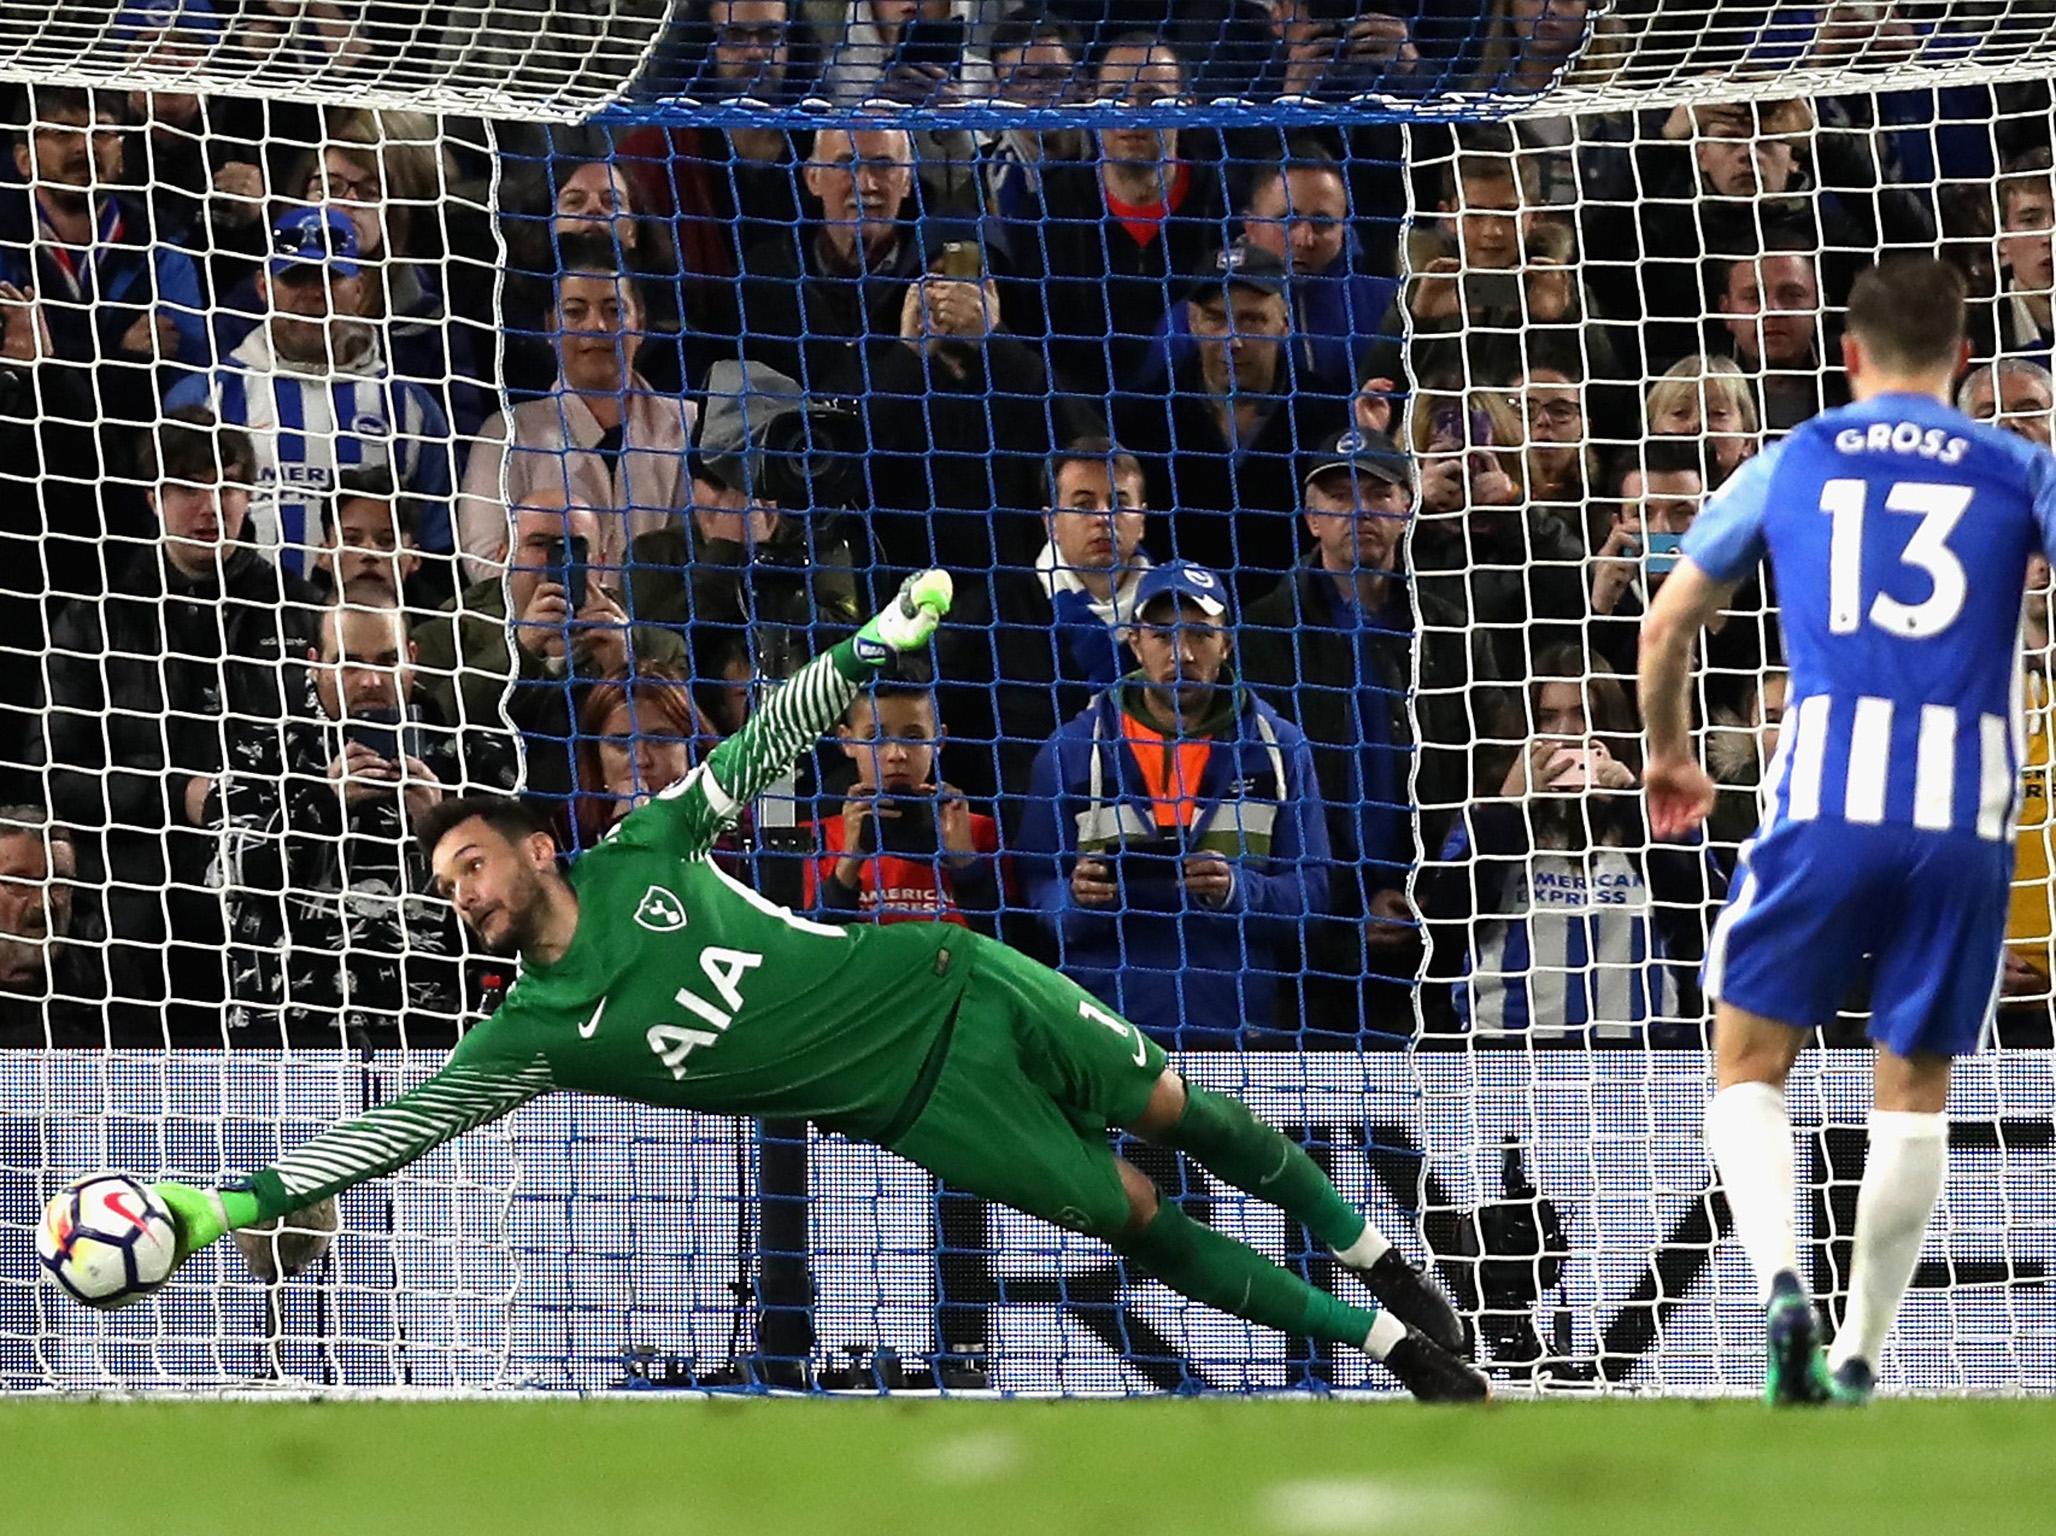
point(141, 16)
point(1371, 454)
point(1243, 265)
point(312, 237)
point(1183, 579)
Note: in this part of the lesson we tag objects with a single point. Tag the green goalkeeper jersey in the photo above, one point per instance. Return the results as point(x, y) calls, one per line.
point(682, 986)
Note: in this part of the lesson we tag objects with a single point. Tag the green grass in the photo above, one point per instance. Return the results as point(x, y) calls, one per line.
point(1054, 1469)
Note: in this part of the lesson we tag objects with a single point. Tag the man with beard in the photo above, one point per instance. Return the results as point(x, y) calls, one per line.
point(114, 300)
point(1333, 645)
point(333, 940)
point(1726, 182)
point(1220, 455)
point(650, 974)
point(315, 393)
point(1172, 837)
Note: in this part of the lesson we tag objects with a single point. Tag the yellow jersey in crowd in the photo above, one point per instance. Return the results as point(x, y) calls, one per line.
point(2032, 921)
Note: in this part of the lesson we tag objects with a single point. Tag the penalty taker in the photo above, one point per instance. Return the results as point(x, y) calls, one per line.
point(650, 974)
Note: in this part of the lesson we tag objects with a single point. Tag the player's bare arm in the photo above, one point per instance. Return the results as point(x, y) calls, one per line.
point(1680, 792)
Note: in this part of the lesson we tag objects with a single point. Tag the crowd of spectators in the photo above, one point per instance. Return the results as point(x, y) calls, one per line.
point(358, 458)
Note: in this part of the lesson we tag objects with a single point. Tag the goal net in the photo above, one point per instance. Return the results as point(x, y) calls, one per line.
point(400, 399)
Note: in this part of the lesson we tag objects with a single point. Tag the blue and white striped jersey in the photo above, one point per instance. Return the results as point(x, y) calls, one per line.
point(310, 429)
point(1598, 942)
point(1578, 951)
point(1899, 531)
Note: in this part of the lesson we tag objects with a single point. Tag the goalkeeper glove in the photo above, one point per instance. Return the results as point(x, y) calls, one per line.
point(197, 1214)
point(908, 620)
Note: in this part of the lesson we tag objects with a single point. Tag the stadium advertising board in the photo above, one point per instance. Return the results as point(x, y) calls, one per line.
point(579, 1235)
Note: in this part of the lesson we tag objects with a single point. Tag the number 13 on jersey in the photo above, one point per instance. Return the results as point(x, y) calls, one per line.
point(1940, 508)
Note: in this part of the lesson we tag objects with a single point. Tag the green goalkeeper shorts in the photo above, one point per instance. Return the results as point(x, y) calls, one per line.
point(1035, 1072)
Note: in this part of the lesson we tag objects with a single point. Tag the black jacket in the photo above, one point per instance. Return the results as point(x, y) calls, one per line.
point(960, 440)
point(80, 1010)
point(823, 329)
point(52, 526)
point(1011, 669)
point(1232, 511)
point(332, 936)
point(1296, 652)
point(139, 685)
point(1517, 572)
point(1098, 292)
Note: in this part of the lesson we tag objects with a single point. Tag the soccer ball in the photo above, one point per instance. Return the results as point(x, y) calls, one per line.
point(107, 1240)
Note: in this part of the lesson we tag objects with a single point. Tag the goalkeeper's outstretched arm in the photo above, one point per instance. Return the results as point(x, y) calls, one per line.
point(477, 1086)
point(792, 718)
point(481, 1082)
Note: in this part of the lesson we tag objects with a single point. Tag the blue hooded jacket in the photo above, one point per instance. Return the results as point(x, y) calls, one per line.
point(1190, 975)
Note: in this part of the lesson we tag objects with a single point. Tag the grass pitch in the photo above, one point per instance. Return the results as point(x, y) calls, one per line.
point(1254, 1468)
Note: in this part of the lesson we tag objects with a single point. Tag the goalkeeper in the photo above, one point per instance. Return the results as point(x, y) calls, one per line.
point(651, 974)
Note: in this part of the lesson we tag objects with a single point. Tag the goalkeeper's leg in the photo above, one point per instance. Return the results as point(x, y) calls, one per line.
point(1195, 1260)
point(1037, 1072)
point(988, 1130)
point(1102, 1069)
point(1223, 1137)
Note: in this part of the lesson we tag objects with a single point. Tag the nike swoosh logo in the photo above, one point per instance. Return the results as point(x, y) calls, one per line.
point(585, 1030)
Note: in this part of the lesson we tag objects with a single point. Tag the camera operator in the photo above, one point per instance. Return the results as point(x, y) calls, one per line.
point(763, 553)
point(332, 937)
point(906, 846)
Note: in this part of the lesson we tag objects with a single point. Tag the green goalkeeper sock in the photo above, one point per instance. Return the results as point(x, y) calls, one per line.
point(1199, 1262)
point(1261, 1160)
